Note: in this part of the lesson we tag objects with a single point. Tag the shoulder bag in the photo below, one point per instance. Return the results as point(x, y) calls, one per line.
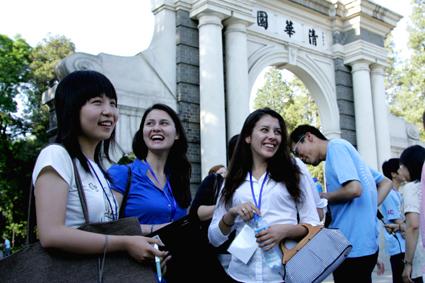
point(37, 264)
point(322, 250)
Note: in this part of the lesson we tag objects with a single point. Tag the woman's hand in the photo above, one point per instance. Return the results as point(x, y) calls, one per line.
point(141, 248)
point(272, 236)
point(245, 210)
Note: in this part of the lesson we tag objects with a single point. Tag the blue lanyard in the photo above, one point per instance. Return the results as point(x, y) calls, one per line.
point(258, 205)
point(114, 212)
point(171, 200)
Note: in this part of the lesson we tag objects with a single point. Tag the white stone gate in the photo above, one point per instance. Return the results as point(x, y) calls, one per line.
point(206, 55)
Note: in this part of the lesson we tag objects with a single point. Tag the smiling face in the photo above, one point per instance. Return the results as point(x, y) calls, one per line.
point(265, 138)
point(159, 131)
point(98, 117)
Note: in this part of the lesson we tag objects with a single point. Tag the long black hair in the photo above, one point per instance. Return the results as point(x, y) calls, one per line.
point(72, 93)
point(281, 167)
point(177, 166)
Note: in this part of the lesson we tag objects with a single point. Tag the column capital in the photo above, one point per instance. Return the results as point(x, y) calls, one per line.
point(377, 69)
point(360, 65)
point(235, 25)
point(210, 18)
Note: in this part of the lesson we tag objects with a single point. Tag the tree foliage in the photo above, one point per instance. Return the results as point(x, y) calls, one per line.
point(405, 81)
point(24, 76)
point(290, 98)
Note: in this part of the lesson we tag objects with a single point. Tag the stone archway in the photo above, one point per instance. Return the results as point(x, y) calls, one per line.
point(206, 54)
point(320, 84)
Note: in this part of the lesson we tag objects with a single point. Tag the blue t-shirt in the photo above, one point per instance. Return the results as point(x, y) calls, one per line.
point(391, 210)
point(355, 218)
point(146, 201)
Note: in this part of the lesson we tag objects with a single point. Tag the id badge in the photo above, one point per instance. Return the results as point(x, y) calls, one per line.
point(244, 245)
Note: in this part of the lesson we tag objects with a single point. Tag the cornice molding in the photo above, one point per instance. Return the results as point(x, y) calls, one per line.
point(238, 9)
point(364, 51)
point(368, 15)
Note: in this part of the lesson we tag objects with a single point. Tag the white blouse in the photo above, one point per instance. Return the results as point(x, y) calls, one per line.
point(277, 207)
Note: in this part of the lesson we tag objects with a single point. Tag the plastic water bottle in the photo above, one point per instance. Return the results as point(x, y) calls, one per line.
point(273, 257)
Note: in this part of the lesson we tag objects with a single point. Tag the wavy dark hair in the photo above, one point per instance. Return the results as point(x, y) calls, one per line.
point(71, 94)
point(177, 166)
point(281, 167)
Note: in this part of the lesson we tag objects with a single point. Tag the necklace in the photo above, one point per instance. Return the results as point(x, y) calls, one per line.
point(113, 211)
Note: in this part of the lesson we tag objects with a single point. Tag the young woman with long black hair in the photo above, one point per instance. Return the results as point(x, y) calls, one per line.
point(262, 179)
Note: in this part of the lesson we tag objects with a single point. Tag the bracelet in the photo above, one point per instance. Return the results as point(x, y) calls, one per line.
point(406, 262)
point(151, 228)
point(225, 224)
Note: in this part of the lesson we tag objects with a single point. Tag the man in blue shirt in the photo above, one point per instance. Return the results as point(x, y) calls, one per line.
point(392, 214)
point(354, 191)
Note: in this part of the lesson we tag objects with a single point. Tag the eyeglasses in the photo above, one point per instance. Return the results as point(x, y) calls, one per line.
point(295, 149)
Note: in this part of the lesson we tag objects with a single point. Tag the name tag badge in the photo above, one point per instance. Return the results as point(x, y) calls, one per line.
point(244, 245)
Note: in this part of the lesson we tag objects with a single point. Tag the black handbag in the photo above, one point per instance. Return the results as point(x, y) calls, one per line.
point(36, 264)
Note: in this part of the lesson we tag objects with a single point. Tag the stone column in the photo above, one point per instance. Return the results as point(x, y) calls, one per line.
point(237, 93)
point(383, 145)
point(212, 116)
point(363, 108)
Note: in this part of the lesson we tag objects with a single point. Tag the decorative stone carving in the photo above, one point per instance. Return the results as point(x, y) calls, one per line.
point(78, 61)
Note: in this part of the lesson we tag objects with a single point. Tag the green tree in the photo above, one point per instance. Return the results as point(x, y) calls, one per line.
point(291, 99)
point(44, 58)
point(14, 73)
point(406, 80)
point(24, 74)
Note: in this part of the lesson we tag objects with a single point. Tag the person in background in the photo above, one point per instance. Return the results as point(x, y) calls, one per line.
point(264, 180)
point(353, 191)
point(218, 169)
point(392, 214)
point(411, 161)
point(7, 248)
point(86, 111)
point(205, 200)
point(321, 203)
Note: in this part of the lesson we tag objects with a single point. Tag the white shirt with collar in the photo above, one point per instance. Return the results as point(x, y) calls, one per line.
point(277, 207)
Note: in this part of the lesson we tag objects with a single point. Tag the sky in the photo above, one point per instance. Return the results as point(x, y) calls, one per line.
point(116, 27)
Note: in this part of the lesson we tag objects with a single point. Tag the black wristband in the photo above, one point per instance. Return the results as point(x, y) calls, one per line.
point(225, 224)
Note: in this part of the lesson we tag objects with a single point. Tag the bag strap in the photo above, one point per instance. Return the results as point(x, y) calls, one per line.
point(218, 181)
point(32, 217)
point(289, 253)
point(81, 193)
point(127, 190)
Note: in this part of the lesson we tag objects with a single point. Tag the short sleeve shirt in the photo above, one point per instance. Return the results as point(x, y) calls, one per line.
point(355, 218)
point(412, 196)
point(101, 204)
point(147, 202)
point(391, 210)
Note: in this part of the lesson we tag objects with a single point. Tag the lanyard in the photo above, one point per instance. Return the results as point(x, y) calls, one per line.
point(258, 205)
point(171, 200)
point(114, 212)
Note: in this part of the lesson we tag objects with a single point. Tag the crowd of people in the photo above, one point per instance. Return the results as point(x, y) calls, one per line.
point(265, 177)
